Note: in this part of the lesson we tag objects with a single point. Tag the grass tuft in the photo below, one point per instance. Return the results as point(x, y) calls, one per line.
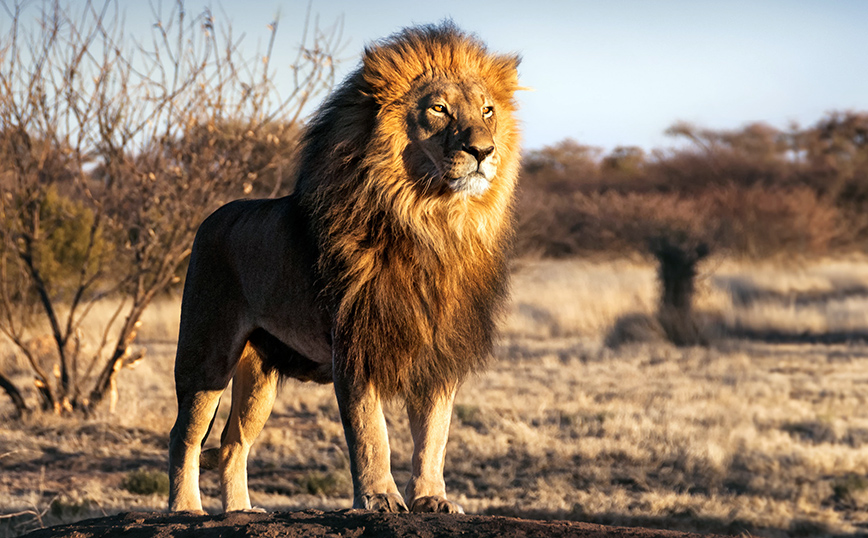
point(145, 482)
point(327, 484)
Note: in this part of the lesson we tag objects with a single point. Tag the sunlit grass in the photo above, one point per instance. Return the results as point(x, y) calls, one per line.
point(740, 436)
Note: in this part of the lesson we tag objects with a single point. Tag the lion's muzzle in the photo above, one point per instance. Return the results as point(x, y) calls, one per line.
point(471, 169)
point(479, 153)
point(473, 184)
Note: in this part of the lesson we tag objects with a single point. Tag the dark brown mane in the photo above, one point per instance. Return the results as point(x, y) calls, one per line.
point(414, 281)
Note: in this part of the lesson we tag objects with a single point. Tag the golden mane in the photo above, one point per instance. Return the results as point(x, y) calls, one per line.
point(415, 278)
point(392, 65)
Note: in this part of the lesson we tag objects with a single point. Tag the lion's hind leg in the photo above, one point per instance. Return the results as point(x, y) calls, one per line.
point(253, 390)
point(185, 444)
point(206, 360)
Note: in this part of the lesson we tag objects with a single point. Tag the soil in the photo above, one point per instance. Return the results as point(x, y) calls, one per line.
point(342, 523)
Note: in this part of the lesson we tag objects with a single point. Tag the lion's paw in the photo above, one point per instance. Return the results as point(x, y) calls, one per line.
point(437, 504)
point(188, 512)
point(251, 510)
point(384, 502)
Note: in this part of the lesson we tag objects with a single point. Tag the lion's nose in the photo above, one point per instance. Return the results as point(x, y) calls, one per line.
point(480, 153)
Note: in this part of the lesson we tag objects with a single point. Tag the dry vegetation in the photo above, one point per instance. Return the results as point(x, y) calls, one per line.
point(762, 433)
point(588, 412)
point(113, 149)
point(756, 191)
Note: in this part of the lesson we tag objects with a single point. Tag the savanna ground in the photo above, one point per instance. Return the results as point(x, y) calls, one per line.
point(762, 432)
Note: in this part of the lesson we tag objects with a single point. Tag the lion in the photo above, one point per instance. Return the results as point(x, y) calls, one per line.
point(383, 272)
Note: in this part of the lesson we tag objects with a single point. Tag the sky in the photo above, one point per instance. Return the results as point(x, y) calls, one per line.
point(616, 72)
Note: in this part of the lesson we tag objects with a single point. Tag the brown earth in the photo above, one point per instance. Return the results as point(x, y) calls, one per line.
point(342, 523)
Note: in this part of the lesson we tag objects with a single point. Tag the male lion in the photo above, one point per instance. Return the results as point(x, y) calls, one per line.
point(381, 273)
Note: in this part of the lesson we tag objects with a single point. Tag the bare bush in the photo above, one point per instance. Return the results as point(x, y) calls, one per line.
point(112, 151)
point(754, 192)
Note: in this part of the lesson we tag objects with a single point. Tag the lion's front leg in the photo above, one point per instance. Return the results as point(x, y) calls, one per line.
point(368, 442)
point(429, 423)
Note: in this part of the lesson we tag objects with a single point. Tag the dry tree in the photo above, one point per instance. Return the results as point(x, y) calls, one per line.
point(112, 151)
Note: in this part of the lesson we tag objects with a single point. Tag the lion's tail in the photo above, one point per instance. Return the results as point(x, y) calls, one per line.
point(210, 459)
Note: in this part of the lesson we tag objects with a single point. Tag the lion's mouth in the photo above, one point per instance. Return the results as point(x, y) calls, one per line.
point(472, 184)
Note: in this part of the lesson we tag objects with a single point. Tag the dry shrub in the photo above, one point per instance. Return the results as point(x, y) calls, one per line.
point(756, 221)
point(145, 482)
point(753, 192)
point(760, 221)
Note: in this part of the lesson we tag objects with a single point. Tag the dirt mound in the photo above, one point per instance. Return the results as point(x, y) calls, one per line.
point(343, 523)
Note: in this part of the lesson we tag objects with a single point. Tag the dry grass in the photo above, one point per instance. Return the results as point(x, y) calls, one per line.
point(763, 433)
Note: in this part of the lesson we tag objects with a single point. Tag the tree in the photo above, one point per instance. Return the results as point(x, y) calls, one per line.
point(563, 167)
point(624, 160)
point(111, 153)
point(678, 256)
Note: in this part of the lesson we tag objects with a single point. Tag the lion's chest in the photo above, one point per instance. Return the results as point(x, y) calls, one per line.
point(423, 299)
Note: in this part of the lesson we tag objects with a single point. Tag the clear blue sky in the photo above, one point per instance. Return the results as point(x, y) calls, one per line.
point(619, 72)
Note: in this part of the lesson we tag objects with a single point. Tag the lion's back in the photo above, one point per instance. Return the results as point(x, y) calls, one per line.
point(243, 252)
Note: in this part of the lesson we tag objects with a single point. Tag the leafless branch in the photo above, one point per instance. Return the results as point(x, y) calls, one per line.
point(112, 150)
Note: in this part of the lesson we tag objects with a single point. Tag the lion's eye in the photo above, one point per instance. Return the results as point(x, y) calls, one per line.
point(439, 109)
point(487, 111)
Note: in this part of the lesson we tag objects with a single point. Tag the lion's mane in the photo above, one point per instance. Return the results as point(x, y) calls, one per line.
point(414, 279)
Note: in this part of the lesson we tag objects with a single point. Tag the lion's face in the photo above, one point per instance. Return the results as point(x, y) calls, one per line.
point(452, 132)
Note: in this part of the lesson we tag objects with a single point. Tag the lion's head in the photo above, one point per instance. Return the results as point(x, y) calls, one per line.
point(425, 126)
point(445, 103)
point(451, 128)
